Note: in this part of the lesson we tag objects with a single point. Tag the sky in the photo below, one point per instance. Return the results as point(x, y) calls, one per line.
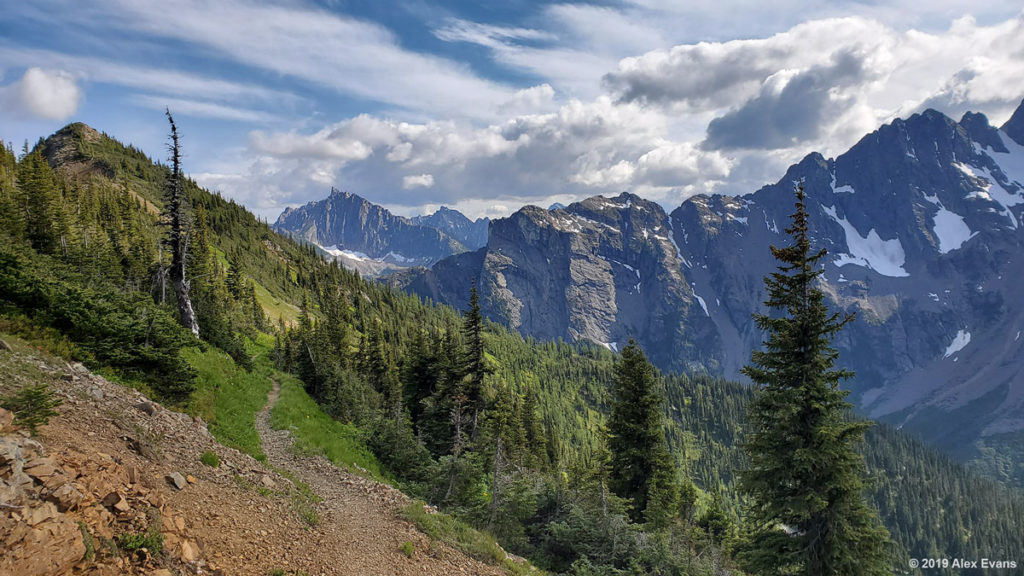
point(486, 106)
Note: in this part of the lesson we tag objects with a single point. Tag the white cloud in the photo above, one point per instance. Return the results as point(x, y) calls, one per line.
point(149, 79)
point(187, 107)
point(46, 94)
point(608, 102)
point(583, 148)
point(417, 181)
point(349, 56)
point(459, 30)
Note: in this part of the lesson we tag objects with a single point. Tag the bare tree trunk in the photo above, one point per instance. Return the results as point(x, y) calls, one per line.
point(457, 417)
point(175, 206)
point(495, 486)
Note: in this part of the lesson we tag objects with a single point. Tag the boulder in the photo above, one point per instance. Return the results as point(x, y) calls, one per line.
point(67, 497)
point(40, 468)
point(177, 480)
point(52, 547)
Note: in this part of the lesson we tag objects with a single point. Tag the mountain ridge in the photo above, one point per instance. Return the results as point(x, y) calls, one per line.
point(347, 225)
point(922, 222)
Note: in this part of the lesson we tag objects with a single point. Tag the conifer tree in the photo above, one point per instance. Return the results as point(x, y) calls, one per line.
point(641, 465)
point(38, 201)
point(176, 216)
point(474, 367)
point(805, 477)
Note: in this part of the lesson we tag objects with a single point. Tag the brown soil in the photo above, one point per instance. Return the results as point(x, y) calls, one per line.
point(116, 449)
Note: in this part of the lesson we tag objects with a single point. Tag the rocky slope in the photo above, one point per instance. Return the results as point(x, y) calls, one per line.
point(360, 233)
point(113, 465)
point(922, 220)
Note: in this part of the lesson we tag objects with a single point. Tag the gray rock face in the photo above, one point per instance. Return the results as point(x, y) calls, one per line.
point(602, 270)
point(346, 222)
point(470, 233)
point(922, 222)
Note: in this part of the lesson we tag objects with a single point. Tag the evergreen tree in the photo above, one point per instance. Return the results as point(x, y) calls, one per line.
point(805, 477)
point(37, 205)
point(176, 217)
point(474, 366)
point(641, 466)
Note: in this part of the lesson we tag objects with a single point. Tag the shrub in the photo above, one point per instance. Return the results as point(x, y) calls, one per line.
point(32, 406)
point(152, 540)
point(407, 548)
point(210, 458)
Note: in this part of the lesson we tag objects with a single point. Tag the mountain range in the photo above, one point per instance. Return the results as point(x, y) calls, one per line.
point(922, 223)
point(369, 238)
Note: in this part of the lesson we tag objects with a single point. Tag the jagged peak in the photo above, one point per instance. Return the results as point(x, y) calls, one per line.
point(1014, 127)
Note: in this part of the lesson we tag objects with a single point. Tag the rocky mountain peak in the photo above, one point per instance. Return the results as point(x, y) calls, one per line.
point(347, 224)
point(1014, 127)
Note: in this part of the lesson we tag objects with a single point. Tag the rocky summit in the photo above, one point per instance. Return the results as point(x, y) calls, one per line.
point(369, 238)
point(922, 223)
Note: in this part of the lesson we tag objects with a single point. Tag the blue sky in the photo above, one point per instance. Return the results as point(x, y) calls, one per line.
point(486, 106)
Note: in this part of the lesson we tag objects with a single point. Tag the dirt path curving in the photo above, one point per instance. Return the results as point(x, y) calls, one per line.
point(359, 530)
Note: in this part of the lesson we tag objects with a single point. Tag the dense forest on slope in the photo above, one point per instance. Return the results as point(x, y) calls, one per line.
point(507, 433)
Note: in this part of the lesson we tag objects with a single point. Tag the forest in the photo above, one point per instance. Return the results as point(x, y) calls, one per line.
point(581, 460)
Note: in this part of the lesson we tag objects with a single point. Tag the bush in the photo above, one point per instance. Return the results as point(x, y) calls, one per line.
point(152, 539)
point(407, 548)
point(32, 406)
point(210, 458)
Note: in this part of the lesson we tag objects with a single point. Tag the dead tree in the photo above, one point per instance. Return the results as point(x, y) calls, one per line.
point(175, 216)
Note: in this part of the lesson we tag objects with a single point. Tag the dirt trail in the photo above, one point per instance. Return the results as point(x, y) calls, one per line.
point(359, 522)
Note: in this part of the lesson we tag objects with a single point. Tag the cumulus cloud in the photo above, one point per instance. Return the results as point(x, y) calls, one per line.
point(791, 107)
point(583, 148)
point(46, 94)
point(418, 181)
point(715, 74)
point(824, 83)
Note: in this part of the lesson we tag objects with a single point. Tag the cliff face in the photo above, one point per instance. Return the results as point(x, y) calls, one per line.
point(922, 222)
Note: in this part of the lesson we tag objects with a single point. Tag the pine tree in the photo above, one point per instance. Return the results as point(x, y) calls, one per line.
point(805, 477)
point(641, 465)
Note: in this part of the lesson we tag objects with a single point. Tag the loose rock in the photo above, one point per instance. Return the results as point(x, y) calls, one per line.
point(176, 480)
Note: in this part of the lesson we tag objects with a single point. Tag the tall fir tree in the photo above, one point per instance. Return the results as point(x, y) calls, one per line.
point(641, 465)
point(805, 479)
point(38, 203)
point(474, 364)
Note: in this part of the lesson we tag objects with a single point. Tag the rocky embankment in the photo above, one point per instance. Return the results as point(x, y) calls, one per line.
point(114, 485)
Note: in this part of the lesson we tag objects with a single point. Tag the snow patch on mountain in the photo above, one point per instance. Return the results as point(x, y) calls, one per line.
point(350, 254)
point(950, 229)
point(962, 339)
point(883, 256)
point(1012, 161)
point(998, 194)
point(398, 257)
